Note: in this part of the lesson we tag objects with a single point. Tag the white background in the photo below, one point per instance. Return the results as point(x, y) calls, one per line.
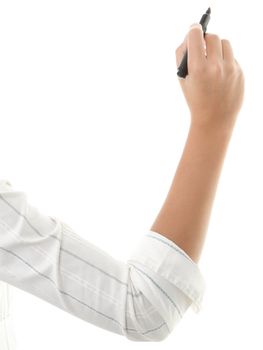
point(92, 113)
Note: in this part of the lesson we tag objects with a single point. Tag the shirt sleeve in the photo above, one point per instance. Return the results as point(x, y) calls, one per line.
point(142, 299)
point(7, 335)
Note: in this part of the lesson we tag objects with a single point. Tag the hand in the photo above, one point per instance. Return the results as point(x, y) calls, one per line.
point(214, 86)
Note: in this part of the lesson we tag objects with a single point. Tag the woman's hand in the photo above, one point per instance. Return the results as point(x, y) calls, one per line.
point(214, 86)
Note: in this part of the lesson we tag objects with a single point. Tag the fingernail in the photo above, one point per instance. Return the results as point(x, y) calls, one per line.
point(196, 25)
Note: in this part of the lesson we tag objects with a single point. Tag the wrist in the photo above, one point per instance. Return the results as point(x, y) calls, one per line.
point(211, 128)
point(215, 137)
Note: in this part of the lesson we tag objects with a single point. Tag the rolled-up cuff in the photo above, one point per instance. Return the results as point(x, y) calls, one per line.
point(167, 259)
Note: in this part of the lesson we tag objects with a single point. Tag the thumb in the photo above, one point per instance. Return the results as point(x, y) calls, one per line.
point(180, 51)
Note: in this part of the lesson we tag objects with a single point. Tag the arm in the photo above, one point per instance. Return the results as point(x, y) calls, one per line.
point(142, 299)
point(185, 213)
point(214, 92)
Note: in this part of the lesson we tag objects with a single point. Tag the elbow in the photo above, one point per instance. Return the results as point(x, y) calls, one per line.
point(163, 282)
point(147, 326)
point(149, 319)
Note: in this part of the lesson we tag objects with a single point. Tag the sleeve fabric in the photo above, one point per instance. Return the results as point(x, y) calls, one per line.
point(142, 299)
point(7, 335)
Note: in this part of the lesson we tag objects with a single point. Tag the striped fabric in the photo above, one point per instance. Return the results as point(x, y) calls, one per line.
point(142, 299)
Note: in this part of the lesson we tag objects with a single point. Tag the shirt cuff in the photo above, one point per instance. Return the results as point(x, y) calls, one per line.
point(168, 260)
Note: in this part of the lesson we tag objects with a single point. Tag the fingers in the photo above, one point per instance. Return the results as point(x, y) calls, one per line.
point(214, 49)
point(202, 49)
point(218, 49)
point(196, 46)
point(180, 51)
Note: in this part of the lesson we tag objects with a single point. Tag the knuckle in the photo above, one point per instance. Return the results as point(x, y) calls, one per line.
point(198, 70)
point(240, 72)
point(226, 41)
point(237, 65)
point(216, 68)
point(177, 49)
point(212, 36)
point(231, 66)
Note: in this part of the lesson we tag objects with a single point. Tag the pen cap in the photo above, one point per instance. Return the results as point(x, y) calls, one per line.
point(204, 21)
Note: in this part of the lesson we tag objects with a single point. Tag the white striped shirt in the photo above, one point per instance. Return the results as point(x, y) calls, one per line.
point(142, 299)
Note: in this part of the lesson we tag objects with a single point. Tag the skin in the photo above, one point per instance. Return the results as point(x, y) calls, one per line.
point(214, 92)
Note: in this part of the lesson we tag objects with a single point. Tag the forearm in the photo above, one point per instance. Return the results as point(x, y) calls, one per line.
point(185, 214)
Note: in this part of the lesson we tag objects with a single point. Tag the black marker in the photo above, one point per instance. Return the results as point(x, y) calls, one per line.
point(182, 69)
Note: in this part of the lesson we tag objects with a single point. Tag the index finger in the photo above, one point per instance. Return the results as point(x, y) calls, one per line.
point(195, 46)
